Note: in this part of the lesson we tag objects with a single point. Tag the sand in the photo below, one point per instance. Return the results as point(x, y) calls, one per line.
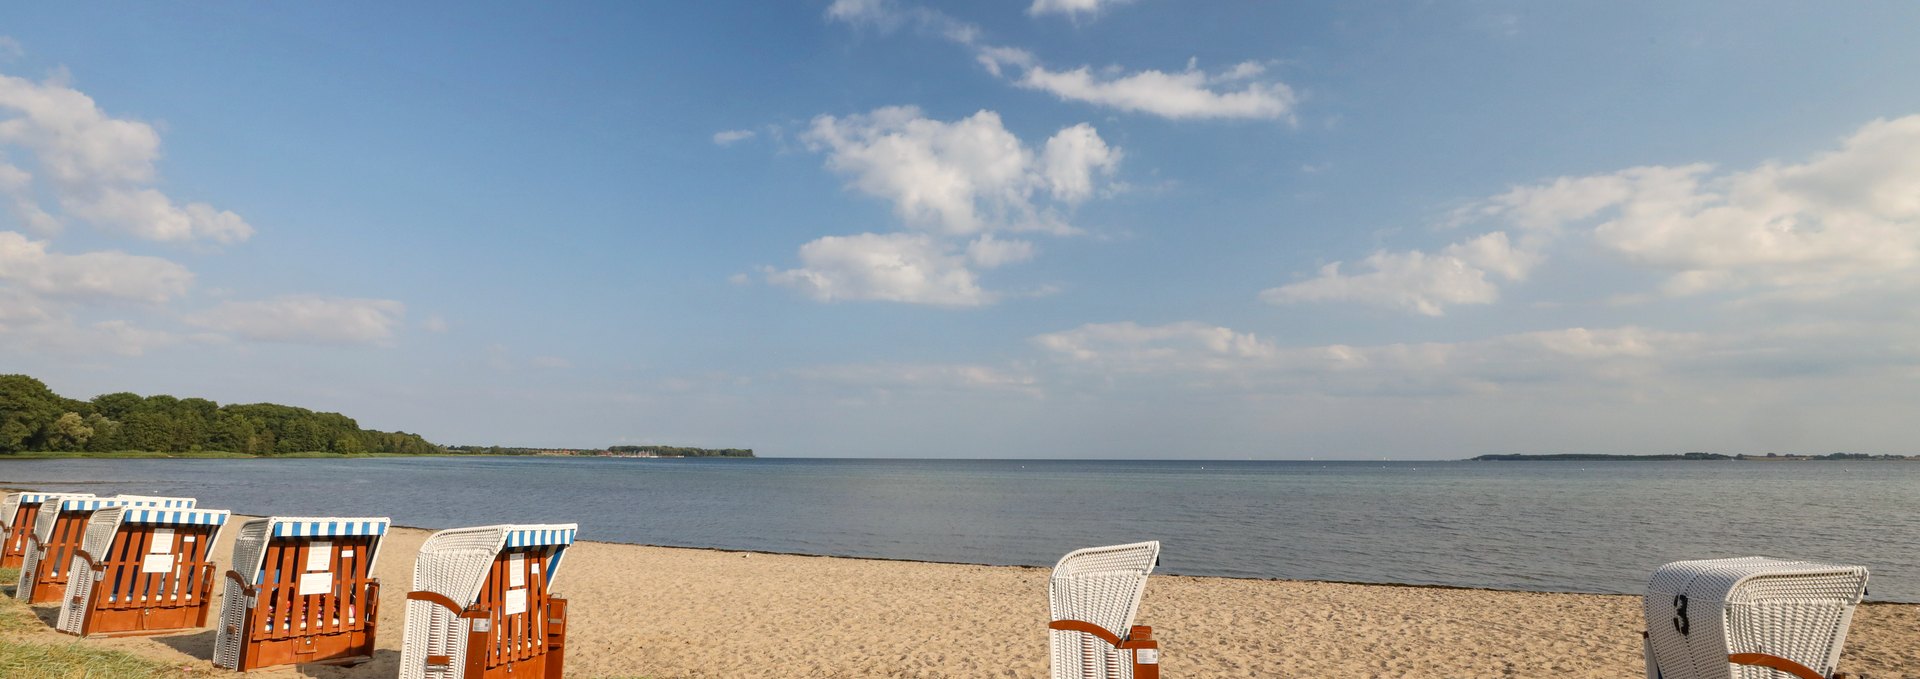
point(666, 613)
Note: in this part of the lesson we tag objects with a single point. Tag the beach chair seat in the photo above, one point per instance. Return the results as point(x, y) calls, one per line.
point(1749, 618)
point(59, 526)
point(17, 515)
point(1094, 594)
point(481, 605)
point(141, 570)
point(301, 591)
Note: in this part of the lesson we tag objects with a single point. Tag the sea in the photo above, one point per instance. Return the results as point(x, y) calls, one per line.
point(1599, 527)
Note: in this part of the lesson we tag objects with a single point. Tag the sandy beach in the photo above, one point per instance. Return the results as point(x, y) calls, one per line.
point(666, 613)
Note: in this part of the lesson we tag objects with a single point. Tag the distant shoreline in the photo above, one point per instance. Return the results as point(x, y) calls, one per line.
point(223, 455)
point(1701, 457)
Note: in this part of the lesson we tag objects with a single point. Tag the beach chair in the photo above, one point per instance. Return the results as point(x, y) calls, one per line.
point(1749, 618)
point(58, 528)
point(141, 570)
point(481, 606)
point(301, 591)
point(1094, 594)
point(16, 518)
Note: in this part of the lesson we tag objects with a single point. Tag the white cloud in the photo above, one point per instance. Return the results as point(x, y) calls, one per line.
point(1186, 94)
point(306, 319)
point(1212, 357)
point(1842, 221)
point(1070, 159)
point(1071, 8)
point(98, 166)
point(898, 267)
point(26, 263)
point(961, 178)
point(1416, 281)
point(888, 377)
point(989, 252)
point(728, 137)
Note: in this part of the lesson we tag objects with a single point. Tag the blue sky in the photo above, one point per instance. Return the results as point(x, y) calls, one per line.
point(1046, 228)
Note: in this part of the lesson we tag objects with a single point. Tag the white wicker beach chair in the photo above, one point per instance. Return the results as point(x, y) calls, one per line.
point(17, 514)
point(1094, 595)
point(482, 604)
point(301, 590)
point(1749, 618)
point(58, 528)
point(141, 570)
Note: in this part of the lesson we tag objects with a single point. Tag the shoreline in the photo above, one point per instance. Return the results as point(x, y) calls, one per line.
point(682, 612)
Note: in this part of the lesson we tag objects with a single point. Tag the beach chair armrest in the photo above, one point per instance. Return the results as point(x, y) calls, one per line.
point(435, 598)
point(1778, 663)
point(1087, 627)
point(245, 589)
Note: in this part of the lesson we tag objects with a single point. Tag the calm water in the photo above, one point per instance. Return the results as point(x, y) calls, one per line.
point(1545, 526)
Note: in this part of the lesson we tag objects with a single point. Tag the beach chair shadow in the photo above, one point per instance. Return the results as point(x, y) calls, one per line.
point(197, 644)
point(1094, 594)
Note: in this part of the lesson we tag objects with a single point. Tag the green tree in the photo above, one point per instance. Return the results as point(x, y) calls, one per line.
point(106, 434)
point(69, 432)
point(27, 408)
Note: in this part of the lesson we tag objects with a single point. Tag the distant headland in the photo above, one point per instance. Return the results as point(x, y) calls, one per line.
point(35, 422)
point(1595, 457)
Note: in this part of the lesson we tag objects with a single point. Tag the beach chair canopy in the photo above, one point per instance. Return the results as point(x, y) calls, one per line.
point(141, 569)
point(11, 507)
point(1741, 618)
point(1101, 587)
point(58, 529)
point(490, 583)
point(301, 590)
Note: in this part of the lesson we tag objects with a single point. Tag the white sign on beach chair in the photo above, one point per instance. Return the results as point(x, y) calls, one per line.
point(1749, 618)
point(1094, 594)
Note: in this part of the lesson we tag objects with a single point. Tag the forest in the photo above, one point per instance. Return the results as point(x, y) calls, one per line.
point(33, 418)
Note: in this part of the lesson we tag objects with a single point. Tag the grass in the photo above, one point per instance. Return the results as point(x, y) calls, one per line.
point(22, 658)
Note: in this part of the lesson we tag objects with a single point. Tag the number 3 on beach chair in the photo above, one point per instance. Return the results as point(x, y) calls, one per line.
point(1749, 618)
point(1094, 594)
point(480, 605)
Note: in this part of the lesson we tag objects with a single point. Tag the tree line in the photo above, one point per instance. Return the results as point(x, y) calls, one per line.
point(674, 451)
point(33, 418)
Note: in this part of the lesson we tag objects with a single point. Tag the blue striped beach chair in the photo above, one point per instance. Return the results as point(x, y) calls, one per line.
point(482, 606)
point(301, 591)
point(58, 528)
point(17, 513)
point(141, 570)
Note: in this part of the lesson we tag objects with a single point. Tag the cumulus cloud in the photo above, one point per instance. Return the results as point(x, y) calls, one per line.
point(1072, 8)
point(97, 166)
point(1416, 281)
point(306, 319)
point(964, 177)
point(94, 275)
point(896, 267)
point(1843, 220)
point(728, 137)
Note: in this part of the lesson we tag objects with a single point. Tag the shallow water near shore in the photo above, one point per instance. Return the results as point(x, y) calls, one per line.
point(1543, 526)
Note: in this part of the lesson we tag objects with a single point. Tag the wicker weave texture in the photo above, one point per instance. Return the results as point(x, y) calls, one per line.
point(248, 548)
point(453, 563)
point(1103, 586)
point(1798, 610)
point(11, 506)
